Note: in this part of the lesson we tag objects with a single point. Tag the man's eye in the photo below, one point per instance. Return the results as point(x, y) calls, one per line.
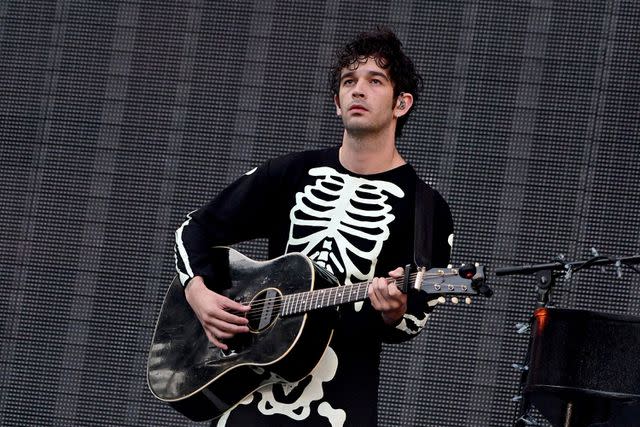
point(347, 82)
point(376, 81)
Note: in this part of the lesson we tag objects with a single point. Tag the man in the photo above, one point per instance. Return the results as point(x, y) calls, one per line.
point(351, 209)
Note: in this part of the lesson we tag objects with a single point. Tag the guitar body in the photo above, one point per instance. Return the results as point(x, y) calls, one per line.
point(202, 381)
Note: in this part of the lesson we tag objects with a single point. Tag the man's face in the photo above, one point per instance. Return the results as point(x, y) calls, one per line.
point(365, 98)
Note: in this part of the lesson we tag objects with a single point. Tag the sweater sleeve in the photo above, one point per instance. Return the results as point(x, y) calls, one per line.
point(419, 306)
point(240, 212)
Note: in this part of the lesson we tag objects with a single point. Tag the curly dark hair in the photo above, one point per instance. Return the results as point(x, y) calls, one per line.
point(382, 45)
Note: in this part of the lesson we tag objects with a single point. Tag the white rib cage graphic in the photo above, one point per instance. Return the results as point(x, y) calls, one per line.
point(347, 211)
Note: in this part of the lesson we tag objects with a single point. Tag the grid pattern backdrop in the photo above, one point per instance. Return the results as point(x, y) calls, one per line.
point(117, 118)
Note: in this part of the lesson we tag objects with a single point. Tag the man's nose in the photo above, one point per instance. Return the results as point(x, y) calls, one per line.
point(358, 91)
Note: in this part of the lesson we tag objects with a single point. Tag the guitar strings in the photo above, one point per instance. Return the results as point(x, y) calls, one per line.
point(346, 288)
point(256, 309)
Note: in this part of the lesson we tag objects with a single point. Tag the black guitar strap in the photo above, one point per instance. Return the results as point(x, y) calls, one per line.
point(423, 228)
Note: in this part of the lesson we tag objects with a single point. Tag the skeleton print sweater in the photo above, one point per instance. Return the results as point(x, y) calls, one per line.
point(358, 227)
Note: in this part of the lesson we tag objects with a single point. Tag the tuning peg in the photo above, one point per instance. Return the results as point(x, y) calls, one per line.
point(455, 300)
point(467, 300)
point(522, 328)
point(442, 300)
point(516, 398)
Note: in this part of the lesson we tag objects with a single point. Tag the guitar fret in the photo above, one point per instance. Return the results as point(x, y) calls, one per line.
point(344, 292)
point(298, 302)
point(294, 304)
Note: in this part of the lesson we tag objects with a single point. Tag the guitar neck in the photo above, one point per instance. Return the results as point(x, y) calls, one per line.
point(303, 302)
point(437, 281)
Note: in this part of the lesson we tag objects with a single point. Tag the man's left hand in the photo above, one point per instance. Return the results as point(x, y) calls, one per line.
point(387, 298)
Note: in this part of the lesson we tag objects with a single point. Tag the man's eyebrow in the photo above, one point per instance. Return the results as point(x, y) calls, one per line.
point(369, 74)
point(347, 74)
point(378, 74)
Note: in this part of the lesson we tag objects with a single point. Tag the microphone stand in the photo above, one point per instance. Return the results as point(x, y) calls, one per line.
point(548, 272)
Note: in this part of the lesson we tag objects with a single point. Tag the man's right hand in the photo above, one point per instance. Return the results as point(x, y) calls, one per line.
point(215, 312)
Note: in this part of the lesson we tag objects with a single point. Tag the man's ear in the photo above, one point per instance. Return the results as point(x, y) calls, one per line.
point(336, 101)
point(404, 102)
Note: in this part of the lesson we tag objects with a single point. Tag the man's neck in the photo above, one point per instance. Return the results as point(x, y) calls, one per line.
point(369, 155)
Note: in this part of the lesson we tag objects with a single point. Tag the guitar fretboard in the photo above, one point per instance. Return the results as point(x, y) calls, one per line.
point(312, 300)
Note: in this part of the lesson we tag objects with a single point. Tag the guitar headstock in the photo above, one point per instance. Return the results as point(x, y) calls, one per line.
point(465, 280)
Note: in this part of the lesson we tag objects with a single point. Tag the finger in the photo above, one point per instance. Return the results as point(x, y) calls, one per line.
point(378, 286)
point(226, 309)
point(231, 305)
point(382, 288)
point(221, 334)
point(225, 316)
point(217, 324)
point(212, 338)
point(394, 292)
point(398, 299)
point(397, 273)
point(374, 296)
point(393, 297)
point(383, 301)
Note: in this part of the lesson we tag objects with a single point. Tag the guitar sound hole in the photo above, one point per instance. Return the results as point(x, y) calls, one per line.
point(265, 309)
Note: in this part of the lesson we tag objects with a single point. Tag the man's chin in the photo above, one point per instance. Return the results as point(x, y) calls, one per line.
point(359, 129)
point(358, 133)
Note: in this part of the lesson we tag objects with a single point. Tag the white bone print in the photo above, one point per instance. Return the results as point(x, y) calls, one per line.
point(348, 212)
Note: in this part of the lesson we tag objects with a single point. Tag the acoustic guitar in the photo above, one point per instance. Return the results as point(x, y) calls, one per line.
point(293, 301)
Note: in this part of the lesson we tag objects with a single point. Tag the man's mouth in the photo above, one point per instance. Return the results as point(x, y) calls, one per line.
point(357, 107)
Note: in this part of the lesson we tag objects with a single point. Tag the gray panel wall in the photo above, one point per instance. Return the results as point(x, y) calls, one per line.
point(118, 118)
